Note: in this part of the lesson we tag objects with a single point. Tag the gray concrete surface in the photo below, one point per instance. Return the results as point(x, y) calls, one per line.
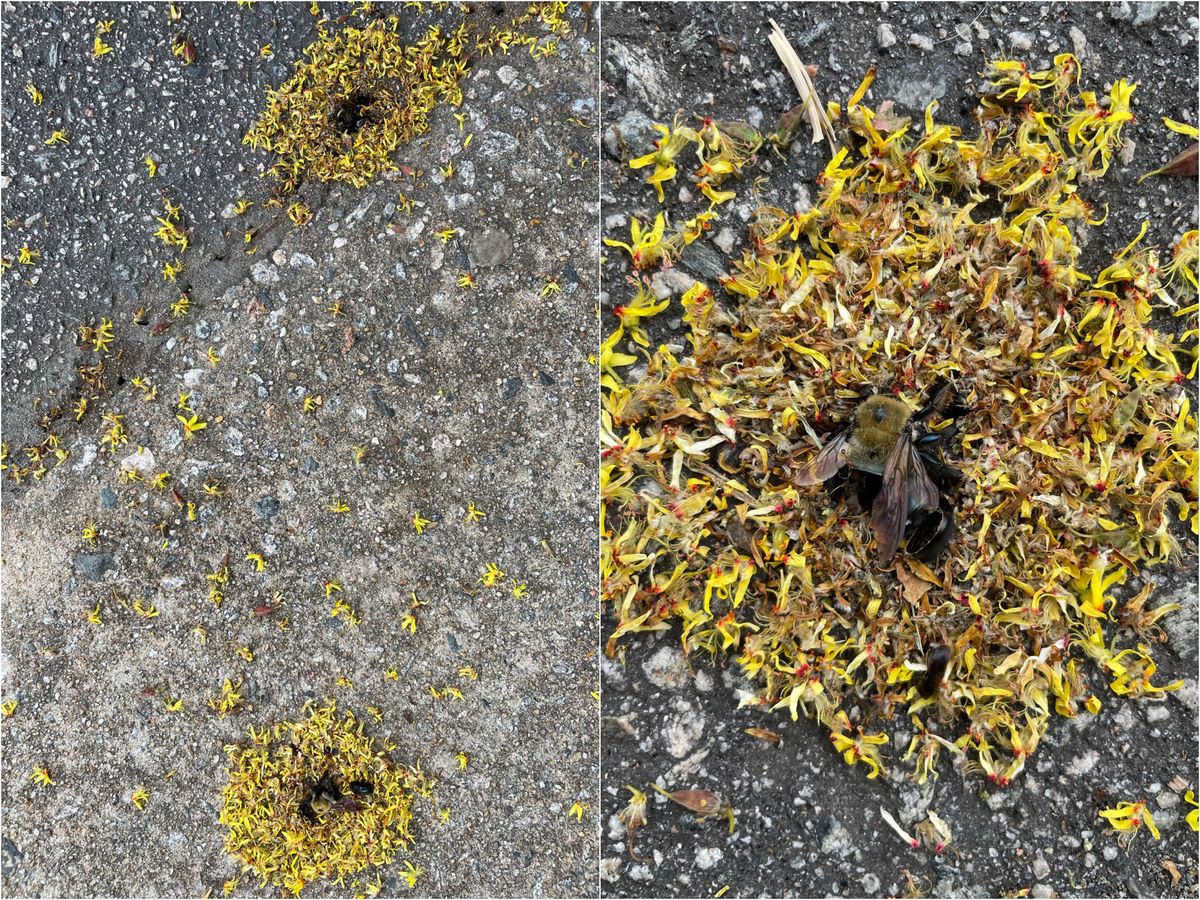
point(481, 396)
point(807, 824)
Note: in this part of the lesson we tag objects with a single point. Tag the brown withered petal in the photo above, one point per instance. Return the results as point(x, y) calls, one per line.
point(765, 734)
point(1173, 869)
point(1181, 166)
point(703, 803)
point(789, 126)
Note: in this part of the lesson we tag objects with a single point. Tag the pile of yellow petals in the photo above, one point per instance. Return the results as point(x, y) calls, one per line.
point(362, 92)
point(272, 776)
point(929, 255)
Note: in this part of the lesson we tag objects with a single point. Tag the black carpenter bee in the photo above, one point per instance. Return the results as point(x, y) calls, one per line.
point(885, 438)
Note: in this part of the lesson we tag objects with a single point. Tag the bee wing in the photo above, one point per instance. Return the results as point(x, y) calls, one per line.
point(891, 505)
point(826, 463)
point(904, 475)
point(922, 490)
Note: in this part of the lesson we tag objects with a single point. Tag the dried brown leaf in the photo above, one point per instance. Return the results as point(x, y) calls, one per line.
point(886, 120)
point(914, 587)
point(1170, 866)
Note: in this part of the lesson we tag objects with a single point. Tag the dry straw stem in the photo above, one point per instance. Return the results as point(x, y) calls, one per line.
point(821, 126)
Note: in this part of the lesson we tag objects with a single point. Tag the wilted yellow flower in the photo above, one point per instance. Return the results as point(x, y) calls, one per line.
point(645, 247)
point(667, 148)
point(491, 574)
point(1129, 818)
point(192, 425)
point(578, 809)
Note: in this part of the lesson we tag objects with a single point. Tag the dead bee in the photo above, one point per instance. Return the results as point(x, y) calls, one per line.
point(936, 663)
point(885, 438)
point(326, 797)
point(320, 798)
point(352, 113)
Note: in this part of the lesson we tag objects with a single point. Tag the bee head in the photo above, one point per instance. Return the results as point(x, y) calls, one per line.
point(883, 412)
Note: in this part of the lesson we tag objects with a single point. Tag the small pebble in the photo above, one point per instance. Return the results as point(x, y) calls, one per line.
point(921, 42)
point(1020, 40)
point(1167, 800)
point(1078, 42)
point(1157, 713)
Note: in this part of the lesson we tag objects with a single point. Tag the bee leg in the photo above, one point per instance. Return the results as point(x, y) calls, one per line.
point(847, 483)
point(930, 439)
point(941, 398)
point(946, 477)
